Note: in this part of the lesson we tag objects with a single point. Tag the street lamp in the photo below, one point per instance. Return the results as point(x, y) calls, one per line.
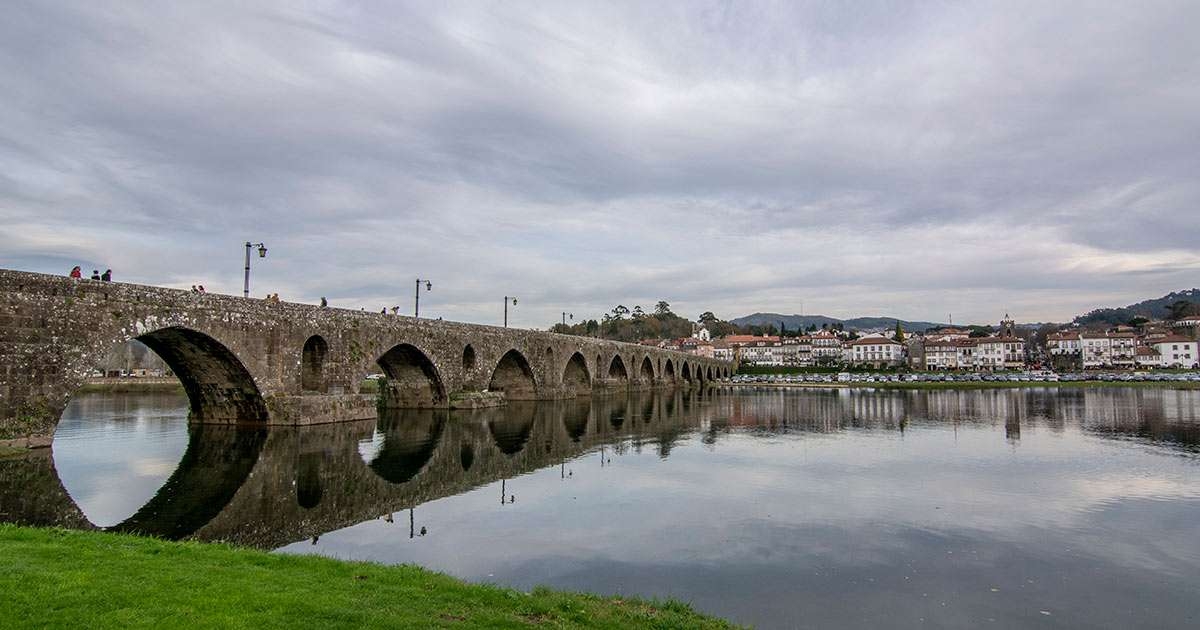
point(417, 296)
point(262, 253)
point(566, 315)
point(506, 299)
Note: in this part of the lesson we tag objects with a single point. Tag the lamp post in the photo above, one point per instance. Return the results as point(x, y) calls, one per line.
point(506, 299)
point(566, 315)
point(417, 296)
point(262, 253)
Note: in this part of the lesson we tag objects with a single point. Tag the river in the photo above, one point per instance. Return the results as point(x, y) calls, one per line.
point(780, 508)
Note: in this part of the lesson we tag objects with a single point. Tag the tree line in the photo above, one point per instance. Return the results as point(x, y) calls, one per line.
point(625, 324)
point(633, 324)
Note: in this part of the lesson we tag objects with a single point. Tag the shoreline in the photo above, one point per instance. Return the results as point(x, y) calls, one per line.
point(130, 384)
point(973, 385)
point(107, 580)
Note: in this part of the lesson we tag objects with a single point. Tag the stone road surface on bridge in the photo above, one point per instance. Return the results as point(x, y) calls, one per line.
point(250, 360)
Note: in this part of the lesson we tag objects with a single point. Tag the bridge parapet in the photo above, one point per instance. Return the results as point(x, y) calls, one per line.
point(249, 360)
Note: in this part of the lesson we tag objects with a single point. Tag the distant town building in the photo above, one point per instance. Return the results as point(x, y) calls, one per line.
point(875, 352)
point(1177, 352)
point(1147, 357)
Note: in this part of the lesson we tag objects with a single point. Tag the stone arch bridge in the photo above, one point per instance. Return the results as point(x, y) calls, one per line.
point(247, 360)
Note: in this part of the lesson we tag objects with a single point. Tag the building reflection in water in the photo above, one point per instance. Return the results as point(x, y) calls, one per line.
point(268, 488)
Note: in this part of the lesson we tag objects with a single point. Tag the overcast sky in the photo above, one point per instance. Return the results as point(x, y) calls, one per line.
point(840, 158)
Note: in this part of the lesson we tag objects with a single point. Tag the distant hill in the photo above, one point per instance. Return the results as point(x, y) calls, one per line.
point(800, 322)
point(1159, 308)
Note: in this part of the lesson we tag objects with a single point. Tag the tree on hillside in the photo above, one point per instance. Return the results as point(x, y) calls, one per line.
point(1181, 309)
point(661, 324)
point(899, 333)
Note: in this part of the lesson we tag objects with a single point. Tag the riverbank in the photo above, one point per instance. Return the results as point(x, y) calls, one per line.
point(975, 385)
point(131, 385)
point(61, 578)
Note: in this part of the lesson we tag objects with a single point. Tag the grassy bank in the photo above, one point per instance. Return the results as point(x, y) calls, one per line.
point(11, 451)
point(57, 578)
point(981, 385)
point(131, 386)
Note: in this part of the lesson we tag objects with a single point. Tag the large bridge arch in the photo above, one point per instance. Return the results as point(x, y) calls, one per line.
point(413, 380)
point(646, 372)
point(513, 376)
point(616, 369)
point(218, 386)
point(576, 379)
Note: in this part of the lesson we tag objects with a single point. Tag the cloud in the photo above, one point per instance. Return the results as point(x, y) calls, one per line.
point(912, 159)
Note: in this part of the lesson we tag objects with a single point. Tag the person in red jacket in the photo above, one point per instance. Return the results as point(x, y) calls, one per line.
point(76, 272)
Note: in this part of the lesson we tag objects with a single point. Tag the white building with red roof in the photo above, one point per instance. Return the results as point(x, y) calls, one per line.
point(874, 352)
point(1177, 352)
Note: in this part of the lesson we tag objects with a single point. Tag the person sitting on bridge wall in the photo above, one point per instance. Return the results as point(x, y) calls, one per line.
point(76, 272)
point(95, 274)
point(107, 275)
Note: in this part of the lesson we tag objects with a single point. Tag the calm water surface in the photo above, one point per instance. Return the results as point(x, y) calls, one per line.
point(780, 508)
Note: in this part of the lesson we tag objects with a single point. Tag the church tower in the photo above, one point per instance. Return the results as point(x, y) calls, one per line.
point(1006, 326)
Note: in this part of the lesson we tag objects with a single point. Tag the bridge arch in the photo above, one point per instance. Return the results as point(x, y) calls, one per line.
point(219, 387)
point(668, 370)
point(647, 370)
point(312, 364)
point(685, 372)
point(413, 380)
point(616, 369)
point(513, 376)
point(576, 378)
point(468, 360)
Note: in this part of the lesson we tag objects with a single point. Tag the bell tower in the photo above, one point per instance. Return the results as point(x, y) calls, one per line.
point(1006, 326)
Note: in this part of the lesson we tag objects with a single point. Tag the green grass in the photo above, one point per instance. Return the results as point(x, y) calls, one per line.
point(11, 451)
point(60, 578)
point(132, 386)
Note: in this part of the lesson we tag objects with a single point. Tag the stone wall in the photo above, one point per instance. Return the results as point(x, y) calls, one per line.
point(244, 360)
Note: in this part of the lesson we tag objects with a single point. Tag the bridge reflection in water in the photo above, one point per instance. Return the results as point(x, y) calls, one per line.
point(271, 487)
